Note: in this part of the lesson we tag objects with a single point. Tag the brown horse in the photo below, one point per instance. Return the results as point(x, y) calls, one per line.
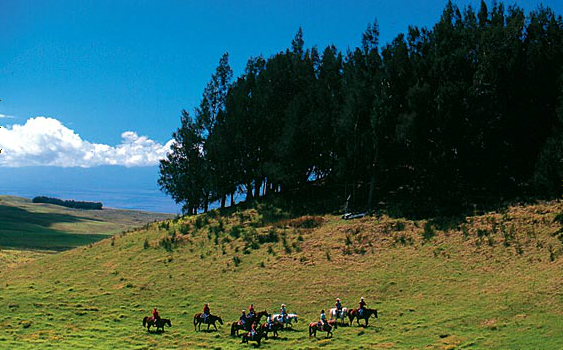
point(236, 326)
point(159, 324)
point(246, 337)
point(276, 326)
point(211, 319)
point(355, 313)
point(314, 327)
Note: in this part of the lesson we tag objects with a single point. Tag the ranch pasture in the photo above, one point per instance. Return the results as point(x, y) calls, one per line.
point(492, 280)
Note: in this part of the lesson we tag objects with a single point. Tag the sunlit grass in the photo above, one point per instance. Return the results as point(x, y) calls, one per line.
point(455, 289)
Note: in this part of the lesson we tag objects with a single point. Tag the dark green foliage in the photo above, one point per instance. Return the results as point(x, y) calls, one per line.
point(271, 237)
point(146, 244)
point(236, 231)
point(433, 123)
point(428, 232)
point(236, 261)
point(68, 203)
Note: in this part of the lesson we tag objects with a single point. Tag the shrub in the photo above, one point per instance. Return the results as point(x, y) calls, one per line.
point(236, 261)
point(271, 250)
point(286, 246)
point(184, 229)
point(428, 232)
point(271, 237)
point(146, 244)
point(235, 231)
point(482, 232)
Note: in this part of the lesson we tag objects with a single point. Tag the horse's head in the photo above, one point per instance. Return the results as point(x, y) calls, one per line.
point(375, 313)
point(168, 323)
point(264, 313)
point(220, 320)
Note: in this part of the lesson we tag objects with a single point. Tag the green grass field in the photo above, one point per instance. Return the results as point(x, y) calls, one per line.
point(492, 281)
point(29, 226)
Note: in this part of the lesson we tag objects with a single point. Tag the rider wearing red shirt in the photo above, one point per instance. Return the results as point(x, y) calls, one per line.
point(155, 314)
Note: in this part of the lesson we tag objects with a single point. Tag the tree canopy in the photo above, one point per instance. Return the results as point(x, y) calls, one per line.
point(440, 119)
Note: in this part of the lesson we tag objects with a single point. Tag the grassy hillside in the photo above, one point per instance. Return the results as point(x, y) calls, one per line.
point(31, 226)
point(488, 281)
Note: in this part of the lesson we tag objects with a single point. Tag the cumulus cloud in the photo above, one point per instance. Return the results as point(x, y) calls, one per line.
point(5, 116)
point(46, 141)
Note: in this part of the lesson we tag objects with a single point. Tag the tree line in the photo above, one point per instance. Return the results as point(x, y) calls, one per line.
point(439, 119)
point(68, 203)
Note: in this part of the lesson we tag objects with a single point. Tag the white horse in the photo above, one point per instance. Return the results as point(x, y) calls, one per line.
point(289, 318)
point(341, 317)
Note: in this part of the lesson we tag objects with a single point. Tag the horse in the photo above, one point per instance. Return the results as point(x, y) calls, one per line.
point(276, 326)
point(339, 316)
point(289, 318)
point(246, 337)
point(159, 324)
point(355, 313)
point(236, 326)
point(314, 327)
point(211, 319)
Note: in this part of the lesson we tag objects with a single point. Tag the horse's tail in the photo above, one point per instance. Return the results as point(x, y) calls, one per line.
point(145, 321)
point(233, 331)
point(310, 330)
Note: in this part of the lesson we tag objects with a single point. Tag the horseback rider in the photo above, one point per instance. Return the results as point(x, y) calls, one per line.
point(362, 306)
point(155, 315)
point(283, 313)
point(270, 322)
point(253, 330)
point(206, 312)
point(242, 319)
point(322, 321)
point(251, 312)
point(338, 306)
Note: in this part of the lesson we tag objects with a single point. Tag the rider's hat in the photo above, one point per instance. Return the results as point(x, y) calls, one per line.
point(337, 299)
point(243, 311)
point(362, 298)
point(283, 305)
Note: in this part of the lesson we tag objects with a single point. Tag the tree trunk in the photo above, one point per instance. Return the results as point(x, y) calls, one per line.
point(257, 185)
point(206, 204)
point(232, 199)
point(249, 190)
point(223, 201)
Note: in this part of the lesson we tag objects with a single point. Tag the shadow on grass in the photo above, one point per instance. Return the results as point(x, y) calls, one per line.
point(25, 230)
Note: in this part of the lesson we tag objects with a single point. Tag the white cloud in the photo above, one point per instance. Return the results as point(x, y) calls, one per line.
point(5, 116)
point(45, 141)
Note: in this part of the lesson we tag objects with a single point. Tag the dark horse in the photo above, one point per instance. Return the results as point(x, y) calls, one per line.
point(246, 337)
point(236, 326)
point(314, 327)
point(159, 324)
point(355, 313)
point(211, 319)
point(276, 326)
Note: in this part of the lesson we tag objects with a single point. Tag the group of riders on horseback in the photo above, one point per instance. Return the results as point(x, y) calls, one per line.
point(250, 321)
